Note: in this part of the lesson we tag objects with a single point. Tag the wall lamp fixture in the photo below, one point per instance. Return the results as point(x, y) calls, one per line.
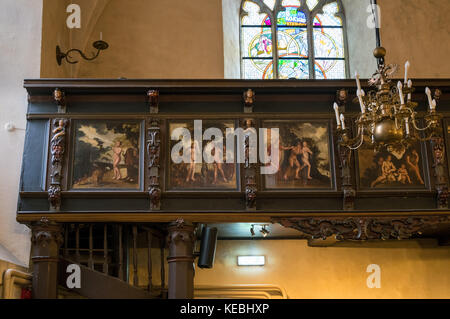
point(251, 260)
point(100, 45)
point(263, 230)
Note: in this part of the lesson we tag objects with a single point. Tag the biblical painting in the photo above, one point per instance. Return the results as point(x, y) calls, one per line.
point(403, 168)
point(200, 163)
point(106, 155)
point(304, 155)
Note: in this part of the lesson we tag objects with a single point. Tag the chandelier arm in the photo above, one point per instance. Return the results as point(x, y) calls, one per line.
point(360, 133)
point(425, 139)
point(396, 123)
point(359, 145)
point(420, 129)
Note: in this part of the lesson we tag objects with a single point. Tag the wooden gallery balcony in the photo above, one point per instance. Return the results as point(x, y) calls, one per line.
point(100, 176)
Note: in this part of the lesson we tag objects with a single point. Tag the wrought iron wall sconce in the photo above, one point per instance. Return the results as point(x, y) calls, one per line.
point(100, 45)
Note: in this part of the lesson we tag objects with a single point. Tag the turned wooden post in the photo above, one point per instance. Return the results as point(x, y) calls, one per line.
point(45, 242)
point(181, 260)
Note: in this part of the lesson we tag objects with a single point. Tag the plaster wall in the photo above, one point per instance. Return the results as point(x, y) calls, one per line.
point(418, 31)
point(361, 38)
point(231, 46)
point(20, 58)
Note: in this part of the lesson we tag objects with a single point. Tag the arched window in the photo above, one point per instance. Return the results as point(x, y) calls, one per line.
point(310, 35)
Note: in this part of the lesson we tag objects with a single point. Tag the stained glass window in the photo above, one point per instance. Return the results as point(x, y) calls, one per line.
point(285, 39)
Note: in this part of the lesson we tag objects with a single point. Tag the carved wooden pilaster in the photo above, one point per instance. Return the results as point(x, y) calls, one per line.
point(440, 174)
point(345, 159)
point(153, 100)
point(57, 150)
point(181, 240)
point(438, 152)
point(349, 193)
point(249, 100)
point(153, 153)
point(250, 170)
point(46, 239)
point(60, 100)
point(361, 228)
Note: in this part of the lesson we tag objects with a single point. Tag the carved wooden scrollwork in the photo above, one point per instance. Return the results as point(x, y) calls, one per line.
point(341, 99)
point(57, 150)
point(345, 161)
point(250, 192)
point(438, 150)
point(249, 100)
point(180, 230)
point(348, 190)
point(155, 194)
point(153, 100)
point(44, 232)
point(362, 228)
point(153, 153)
point(249, 170)
point(60, 100)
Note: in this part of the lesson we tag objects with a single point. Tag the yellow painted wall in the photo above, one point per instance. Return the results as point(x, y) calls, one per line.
point(409, 269)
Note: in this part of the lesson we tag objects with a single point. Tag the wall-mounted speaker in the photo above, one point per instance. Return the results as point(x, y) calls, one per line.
point(208, 247)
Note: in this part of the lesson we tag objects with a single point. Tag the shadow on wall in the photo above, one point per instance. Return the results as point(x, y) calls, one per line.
point(147, 38)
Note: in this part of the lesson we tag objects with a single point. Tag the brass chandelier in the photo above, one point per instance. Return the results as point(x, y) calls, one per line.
point(388, 117)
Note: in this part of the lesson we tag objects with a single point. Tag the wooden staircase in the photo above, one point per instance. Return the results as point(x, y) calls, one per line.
point(115, 261)
point(97, 285)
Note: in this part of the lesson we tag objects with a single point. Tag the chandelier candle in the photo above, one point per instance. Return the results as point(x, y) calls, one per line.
point(407, 64)
point(430, 99)
point(400, 94)
point(409, 87)
point(336, 111)
point(360, 94)
point(343, 121)
point(358, 83)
